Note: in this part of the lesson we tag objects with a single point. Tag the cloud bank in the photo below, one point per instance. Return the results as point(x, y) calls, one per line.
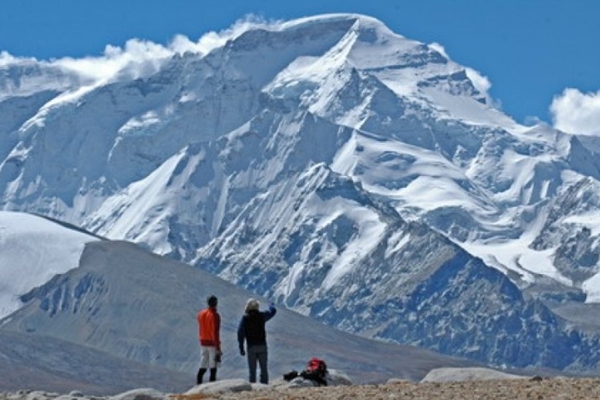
point(576, 112)
point(136, 59)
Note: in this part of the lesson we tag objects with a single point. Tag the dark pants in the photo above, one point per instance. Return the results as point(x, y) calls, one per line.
point(258, 353)
point(202, 371)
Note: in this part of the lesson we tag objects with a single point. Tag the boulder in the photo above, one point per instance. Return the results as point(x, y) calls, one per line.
point(224, 386)
point(141, 394)
point(467, 374)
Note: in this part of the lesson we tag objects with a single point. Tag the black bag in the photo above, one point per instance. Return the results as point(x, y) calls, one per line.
point(290, 375)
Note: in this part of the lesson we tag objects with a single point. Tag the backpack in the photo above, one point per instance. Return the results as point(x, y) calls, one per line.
point(316, 370)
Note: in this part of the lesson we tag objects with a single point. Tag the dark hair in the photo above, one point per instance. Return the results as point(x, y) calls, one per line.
point(212, 300)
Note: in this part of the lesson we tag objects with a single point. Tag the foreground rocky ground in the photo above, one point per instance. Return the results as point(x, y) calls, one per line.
point(556, 388)
point(463, 384)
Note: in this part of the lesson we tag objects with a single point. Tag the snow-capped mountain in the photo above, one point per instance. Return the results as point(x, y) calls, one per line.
point(353, 174)
point(32, 251)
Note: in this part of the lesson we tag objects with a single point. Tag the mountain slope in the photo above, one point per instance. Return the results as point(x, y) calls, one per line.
point(132, 304)
point(38, 362)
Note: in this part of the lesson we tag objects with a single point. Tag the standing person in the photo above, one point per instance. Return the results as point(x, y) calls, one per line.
point(252, 330)
point(209, 326)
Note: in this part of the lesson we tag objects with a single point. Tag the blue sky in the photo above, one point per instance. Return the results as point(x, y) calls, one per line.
point(530, 50)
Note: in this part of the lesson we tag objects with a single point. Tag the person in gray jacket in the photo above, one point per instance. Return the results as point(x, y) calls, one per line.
point(252, 331)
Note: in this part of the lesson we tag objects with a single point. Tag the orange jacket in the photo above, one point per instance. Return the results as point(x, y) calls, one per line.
point(209, 325)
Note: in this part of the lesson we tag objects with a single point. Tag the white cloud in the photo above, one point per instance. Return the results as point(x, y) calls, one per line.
point(139, 58)
point(6, 59)
point(481, 82)
point(212, 40)
point(577, 112)
point(136, 59)
point(439, 48)
point(182, 44)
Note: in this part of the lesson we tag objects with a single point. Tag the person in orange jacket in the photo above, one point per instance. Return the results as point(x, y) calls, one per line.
point(209, 326)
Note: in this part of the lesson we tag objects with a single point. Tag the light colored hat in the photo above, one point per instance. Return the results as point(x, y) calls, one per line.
point(252, 304)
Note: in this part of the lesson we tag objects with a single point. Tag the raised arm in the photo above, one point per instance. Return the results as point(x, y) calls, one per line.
point(270, 313)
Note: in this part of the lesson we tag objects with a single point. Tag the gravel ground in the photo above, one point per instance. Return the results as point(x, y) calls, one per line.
point(508, 389)
point(529, 389)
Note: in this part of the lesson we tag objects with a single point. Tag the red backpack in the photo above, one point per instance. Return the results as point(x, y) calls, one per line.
point(316, 365)
point(316, 370)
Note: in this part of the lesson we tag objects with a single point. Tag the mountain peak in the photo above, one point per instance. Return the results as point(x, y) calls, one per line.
point(312, 60)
